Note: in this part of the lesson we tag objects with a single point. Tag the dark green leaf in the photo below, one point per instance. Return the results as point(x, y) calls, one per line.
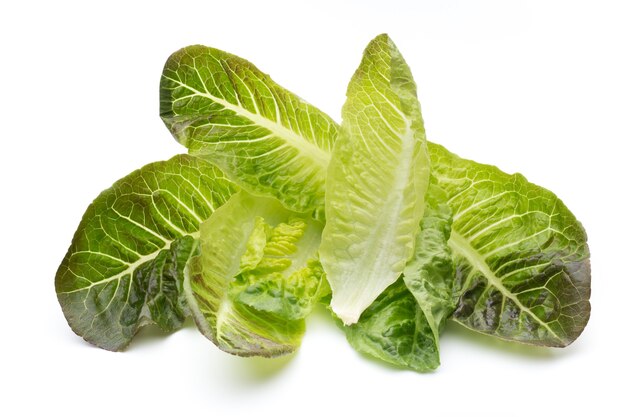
point(124, 266)
point(522, 258)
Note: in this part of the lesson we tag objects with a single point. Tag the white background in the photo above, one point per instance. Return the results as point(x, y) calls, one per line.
point(536, 87)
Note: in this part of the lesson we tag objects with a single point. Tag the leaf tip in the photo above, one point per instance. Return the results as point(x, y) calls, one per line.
point(384, 41)
point(383, 37)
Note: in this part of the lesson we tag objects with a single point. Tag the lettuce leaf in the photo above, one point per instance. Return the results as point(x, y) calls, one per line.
point(125, 264)
point(256, 276)
point(377, 179)
point(267, 139)
point(522, 260)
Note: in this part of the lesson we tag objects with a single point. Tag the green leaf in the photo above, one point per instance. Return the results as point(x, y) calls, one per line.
point(522, 259)
point(284, 277)
point(262, 136)
point(429, 274)
point(125, 263)
point(377, 179)
point(257, 276)
point(402, 326)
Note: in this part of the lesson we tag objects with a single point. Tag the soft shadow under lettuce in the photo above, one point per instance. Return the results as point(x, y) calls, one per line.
point(459, 333)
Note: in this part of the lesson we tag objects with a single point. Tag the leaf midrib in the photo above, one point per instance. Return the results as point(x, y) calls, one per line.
point(130, 267)
point(317, 154)
point(462, 247)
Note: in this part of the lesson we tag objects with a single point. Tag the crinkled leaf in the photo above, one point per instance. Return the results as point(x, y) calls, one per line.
point(377, 179)
point(257, 276)
point(402, 326)
point(280, 280)
point(429, 274)
point(522, 259)
point(262, 136)
point(124, 266)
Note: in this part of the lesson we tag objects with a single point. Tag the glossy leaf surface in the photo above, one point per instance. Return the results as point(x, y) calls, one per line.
point(262, 136)
point(522, 259)
point(125, 264)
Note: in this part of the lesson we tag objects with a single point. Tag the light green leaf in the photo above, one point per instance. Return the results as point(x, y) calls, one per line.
point(522, 258)
point(377, 179)
point(402, 326)
point(124, 267)
point(284, 277)
point(262, 136)
point(256, 278)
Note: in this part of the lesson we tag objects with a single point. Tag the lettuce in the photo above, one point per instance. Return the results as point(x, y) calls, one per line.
point(522, 261)
point(402, 325)
point(276, 205)
point(262, 136)
point(377, 179)
point(125, 265)
point(256, 276)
